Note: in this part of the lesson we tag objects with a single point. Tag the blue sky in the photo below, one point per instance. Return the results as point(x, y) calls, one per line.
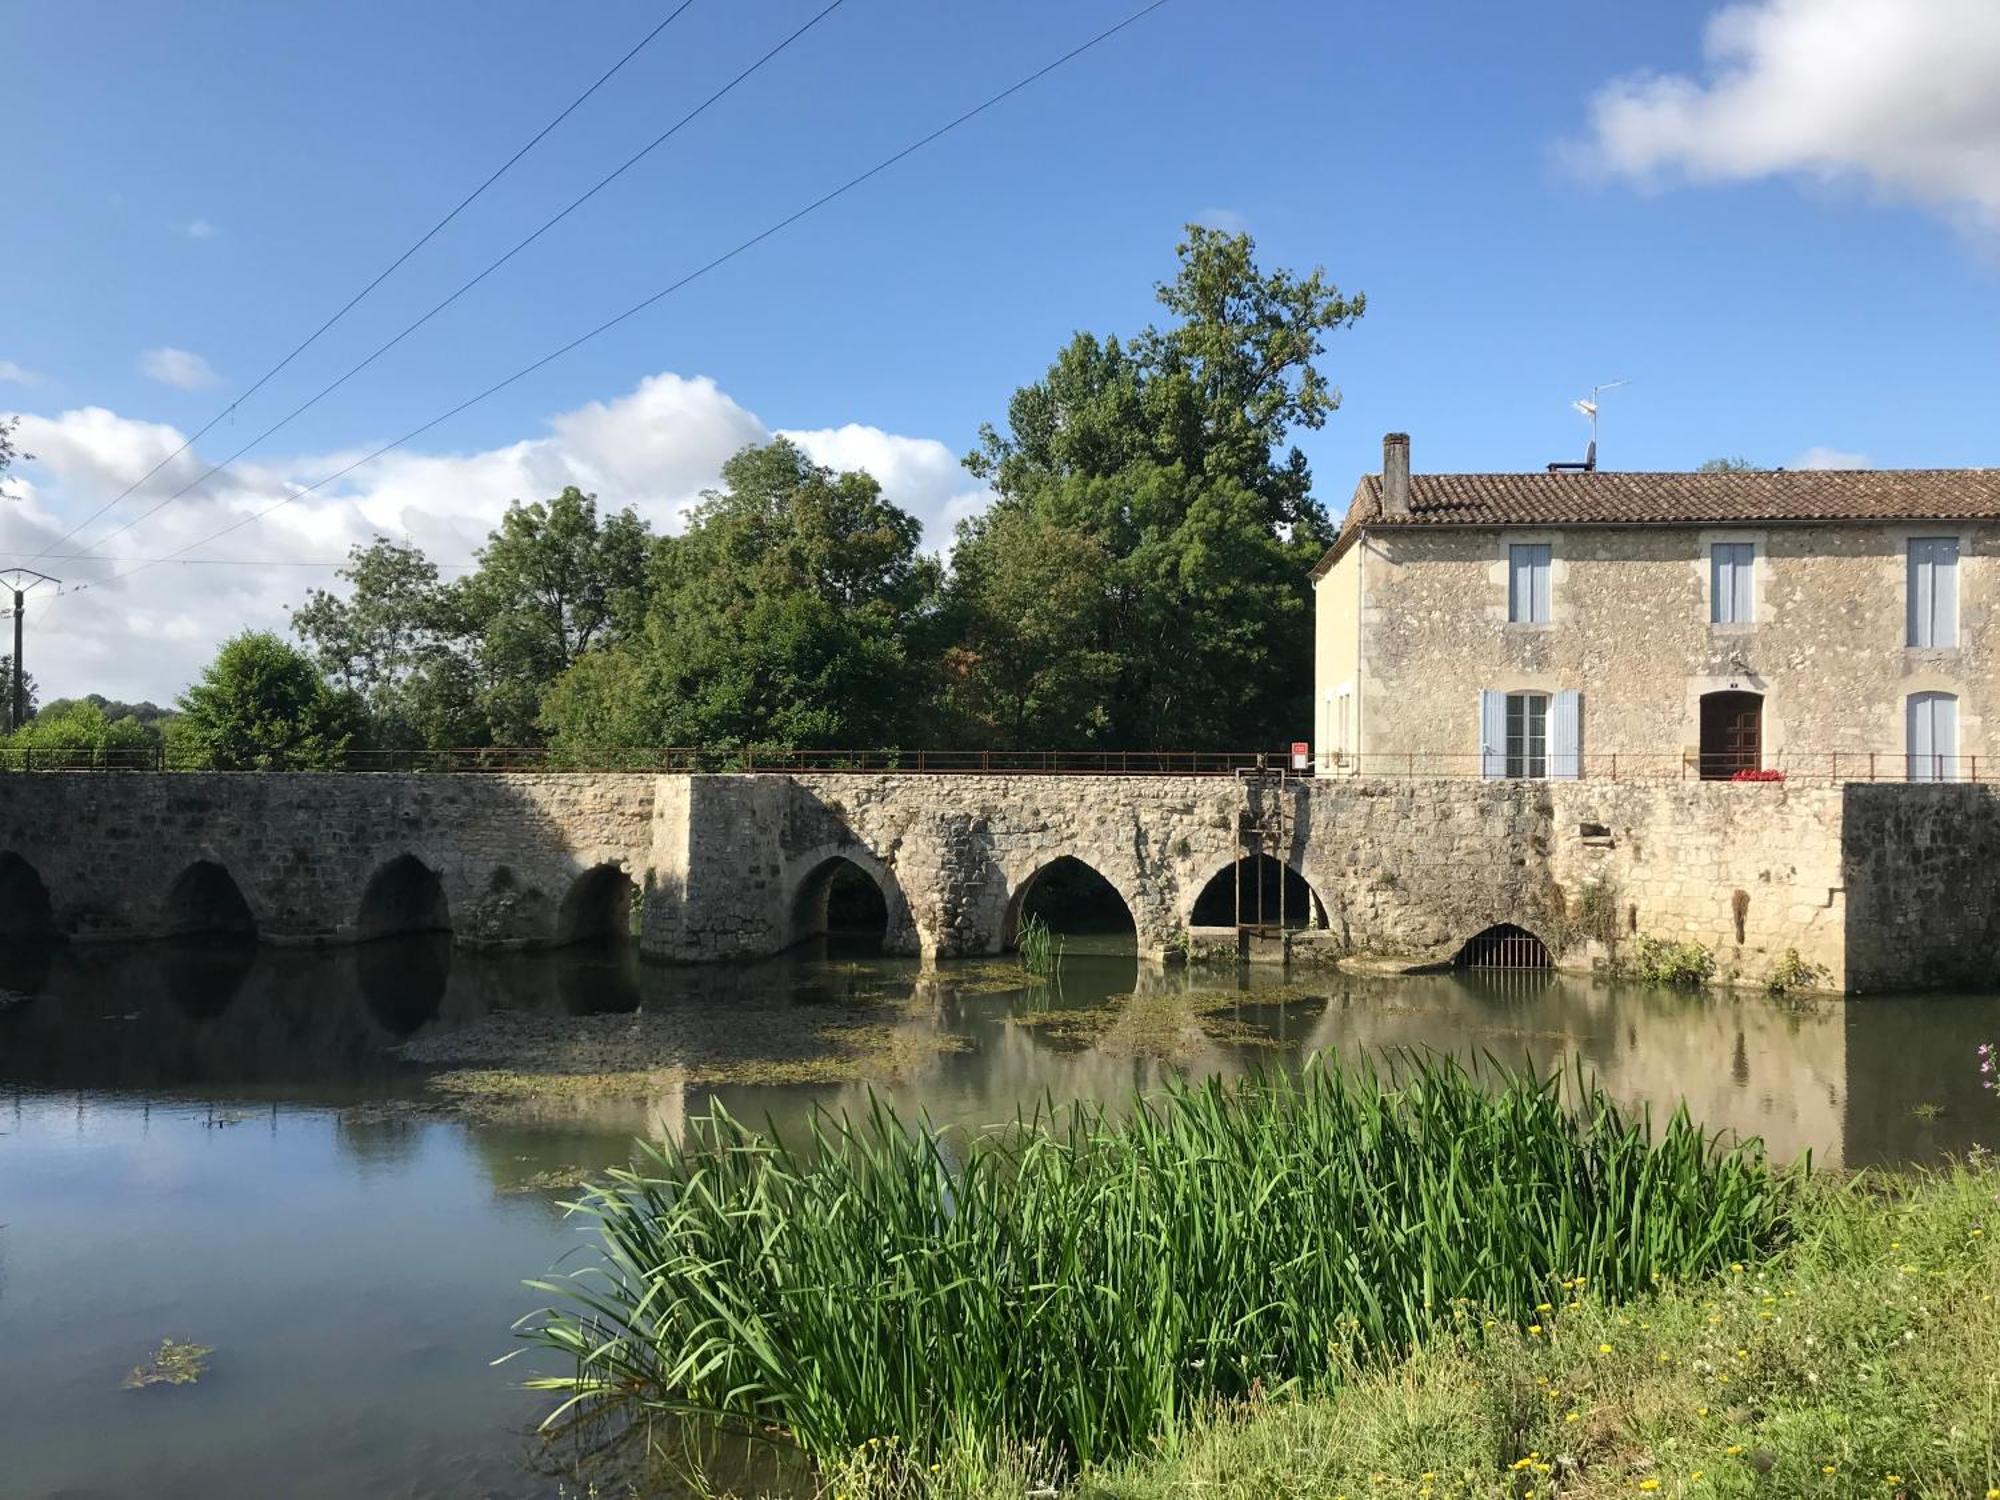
point(1777, 220)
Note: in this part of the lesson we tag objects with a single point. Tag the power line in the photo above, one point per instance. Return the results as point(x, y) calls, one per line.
point(546, 226)
point(638, 307)
point(214, 562)
point(380, 277)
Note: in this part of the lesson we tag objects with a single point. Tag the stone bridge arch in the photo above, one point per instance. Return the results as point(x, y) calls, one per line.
point(206, 901)
point(404, 894)
point(1214, 902)
point(1020, 890)
point(25, 908)
point(805, 882)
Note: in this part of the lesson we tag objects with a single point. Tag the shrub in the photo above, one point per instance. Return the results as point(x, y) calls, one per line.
point(1687, 965)
point(1793, 973)
point(1080, 1287)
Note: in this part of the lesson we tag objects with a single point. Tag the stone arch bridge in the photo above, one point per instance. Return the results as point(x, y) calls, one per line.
point(715, 867)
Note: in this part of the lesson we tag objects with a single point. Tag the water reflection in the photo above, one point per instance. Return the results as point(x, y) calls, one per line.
point(1870, 1081)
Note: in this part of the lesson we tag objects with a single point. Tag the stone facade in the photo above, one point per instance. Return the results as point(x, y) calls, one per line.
point(1882, 887)
point(1414, 626)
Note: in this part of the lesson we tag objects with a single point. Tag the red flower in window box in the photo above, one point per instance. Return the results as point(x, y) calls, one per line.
point(1758, 776)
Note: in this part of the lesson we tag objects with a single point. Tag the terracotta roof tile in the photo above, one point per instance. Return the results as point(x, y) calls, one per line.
point(1666, 499)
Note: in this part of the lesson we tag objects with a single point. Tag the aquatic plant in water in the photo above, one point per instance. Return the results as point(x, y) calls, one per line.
point(1041, 949)
point(1080, 1286)
point(173, 1363)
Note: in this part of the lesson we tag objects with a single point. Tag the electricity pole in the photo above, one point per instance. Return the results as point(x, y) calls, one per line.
point(23, 581)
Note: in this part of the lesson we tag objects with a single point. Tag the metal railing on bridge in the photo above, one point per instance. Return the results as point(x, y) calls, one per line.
point(1808, 767)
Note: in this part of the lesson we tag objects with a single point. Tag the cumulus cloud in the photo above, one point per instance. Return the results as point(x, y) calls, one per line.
point(654, 448)
point(197, 229)
point(1830, 458)
point(1898, 95)
point(17, 374)
point(179, 368)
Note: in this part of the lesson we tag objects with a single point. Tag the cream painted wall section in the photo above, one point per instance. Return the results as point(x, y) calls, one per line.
point(1337, 698)
point(1630, 629)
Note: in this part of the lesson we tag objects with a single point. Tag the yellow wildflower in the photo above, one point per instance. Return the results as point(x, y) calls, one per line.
point(1534, 1330)
point(1649, 1484)
point(1544, 1307)
point(1892, 1478)
point(1733, 1449)
point(1603, 1348)
point(1570, 1416)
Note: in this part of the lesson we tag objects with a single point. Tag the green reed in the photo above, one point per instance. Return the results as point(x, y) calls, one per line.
point(1040, 948)
point(1081, 1285)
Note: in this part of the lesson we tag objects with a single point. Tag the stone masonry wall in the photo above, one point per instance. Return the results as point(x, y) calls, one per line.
point(1886, 886)
point(302, 848)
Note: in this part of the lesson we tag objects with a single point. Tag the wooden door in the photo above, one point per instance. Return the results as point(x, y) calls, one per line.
point(1732, 734)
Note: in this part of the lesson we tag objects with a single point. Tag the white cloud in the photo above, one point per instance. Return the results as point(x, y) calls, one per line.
point(654, 448)
point(197, 229)
point(178, 368)
point(1897, 94)
point(1830, 458)
point(18, 374)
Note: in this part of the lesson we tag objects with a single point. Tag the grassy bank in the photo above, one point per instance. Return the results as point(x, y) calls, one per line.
point(1862, 1360)
point(1091, 1291)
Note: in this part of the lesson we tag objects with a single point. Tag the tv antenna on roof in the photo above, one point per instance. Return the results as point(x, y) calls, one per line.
point(1588, 407)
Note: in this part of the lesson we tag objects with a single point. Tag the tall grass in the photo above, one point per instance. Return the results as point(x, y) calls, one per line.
point(1080, 1285)
point(1040, 948)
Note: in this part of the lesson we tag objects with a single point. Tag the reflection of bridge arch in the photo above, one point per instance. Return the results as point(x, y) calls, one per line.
point(405, 895)
point(816, 880)
point(1043, 889)
point(205, 900)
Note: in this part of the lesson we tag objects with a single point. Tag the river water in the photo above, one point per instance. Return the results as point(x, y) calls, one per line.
point(329, 1167)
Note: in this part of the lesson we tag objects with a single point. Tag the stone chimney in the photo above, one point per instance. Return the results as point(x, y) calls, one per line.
point(1396, 474)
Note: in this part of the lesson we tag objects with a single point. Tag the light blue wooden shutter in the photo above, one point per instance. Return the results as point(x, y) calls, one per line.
point(1729, 565)
point(1933, 591)
point(1528, 583)
point(1492, 733)
point(1944, 598)
point(1566, 738)
point(1933, 737)
point(1746, 556)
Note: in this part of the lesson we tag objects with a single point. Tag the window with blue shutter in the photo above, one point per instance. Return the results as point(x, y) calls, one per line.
point(1933, 737)
point(1527, 735)
point(1566, 737)
point(1528, 583)
point(1933, 591)
point(1730, 569)
point(1492, 734)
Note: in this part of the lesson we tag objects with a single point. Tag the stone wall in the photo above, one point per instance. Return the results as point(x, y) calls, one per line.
point(302, 849)
point(1884, 887)
point(1629, 628)
point(1922, 870)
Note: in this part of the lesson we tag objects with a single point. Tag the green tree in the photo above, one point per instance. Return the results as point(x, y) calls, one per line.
point(262, 705)
point(1027, 603)
point(10, 453)
point(401, 644)
point(1726, 466)
point(1167, 454)
point(79, 727)
point(786, 614)
point(7, 693)
point(554, 582)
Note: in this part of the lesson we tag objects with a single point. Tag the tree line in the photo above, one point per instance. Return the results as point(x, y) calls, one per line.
point(1138, 581)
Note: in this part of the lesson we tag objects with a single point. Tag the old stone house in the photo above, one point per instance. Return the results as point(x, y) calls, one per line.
point(1595, 623)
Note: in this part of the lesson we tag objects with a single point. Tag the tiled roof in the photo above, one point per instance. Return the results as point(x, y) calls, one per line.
point(1666, 499)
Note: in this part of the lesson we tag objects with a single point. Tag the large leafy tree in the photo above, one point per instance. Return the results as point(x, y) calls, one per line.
point(1167, 456)
point(7, 693)
point(554, 581)
point(788, 613)
point(396, 639)
point(262, 705)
